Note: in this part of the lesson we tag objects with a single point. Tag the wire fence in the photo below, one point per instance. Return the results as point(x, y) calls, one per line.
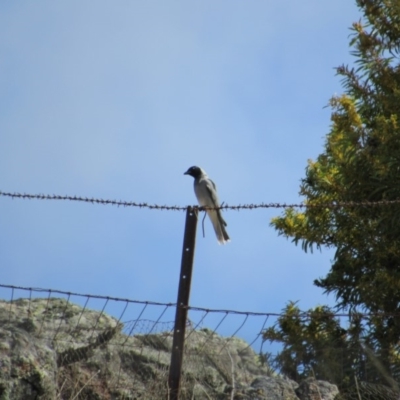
point(131, 313)
point(121, 203)
point(119, 348)
point(109, 347)
point(113, 347)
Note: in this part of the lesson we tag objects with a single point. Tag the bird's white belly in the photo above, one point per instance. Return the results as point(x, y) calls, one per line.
point(202, 195)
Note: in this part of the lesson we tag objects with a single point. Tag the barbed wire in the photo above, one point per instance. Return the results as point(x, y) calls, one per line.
point(122, 203)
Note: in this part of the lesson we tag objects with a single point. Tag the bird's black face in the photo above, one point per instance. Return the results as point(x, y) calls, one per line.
point(193, 171)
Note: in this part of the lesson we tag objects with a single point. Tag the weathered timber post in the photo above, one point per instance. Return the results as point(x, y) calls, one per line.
point(185, 280)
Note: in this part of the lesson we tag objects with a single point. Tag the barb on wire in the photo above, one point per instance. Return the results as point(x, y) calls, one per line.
point(92, 200)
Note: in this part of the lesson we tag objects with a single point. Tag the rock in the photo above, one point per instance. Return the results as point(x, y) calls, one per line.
point(274, 388)
point(27, 364)
point(311, 389)
point(52, 349)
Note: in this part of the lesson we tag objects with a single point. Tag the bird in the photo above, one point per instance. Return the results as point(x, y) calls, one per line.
point(206, 193)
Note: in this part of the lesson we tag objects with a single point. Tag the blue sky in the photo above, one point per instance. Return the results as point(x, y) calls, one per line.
point(117, 99)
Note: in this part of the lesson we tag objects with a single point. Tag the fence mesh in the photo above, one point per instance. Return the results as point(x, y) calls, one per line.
point(82, 346)
point(107, 347)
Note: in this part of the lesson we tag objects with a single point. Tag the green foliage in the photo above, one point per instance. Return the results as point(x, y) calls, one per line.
point(315, 345)
point(360, 163)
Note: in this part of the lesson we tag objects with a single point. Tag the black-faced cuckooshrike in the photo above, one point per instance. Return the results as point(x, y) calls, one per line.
point(206, 193)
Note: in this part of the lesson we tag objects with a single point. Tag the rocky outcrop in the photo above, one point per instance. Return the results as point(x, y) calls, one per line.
point(311, 389)
point(273, 388)
point(52, 349)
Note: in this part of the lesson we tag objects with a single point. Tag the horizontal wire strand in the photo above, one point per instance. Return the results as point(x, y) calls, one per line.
point(121, 203)
point(304, 314)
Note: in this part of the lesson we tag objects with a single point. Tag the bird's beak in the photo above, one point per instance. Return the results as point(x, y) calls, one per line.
point(186, 173)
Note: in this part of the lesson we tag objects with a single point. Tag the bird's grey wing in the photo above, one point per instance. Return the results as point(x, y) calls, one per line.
point(212, 191)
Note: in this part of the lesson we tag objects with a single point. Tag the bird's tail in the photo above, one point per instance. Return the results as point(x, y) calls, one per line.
point(219, 226)
point(225, 236)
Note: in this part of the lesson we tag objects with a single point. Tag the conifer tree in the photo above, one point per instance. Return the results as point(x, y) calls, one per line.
point(361, 163)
